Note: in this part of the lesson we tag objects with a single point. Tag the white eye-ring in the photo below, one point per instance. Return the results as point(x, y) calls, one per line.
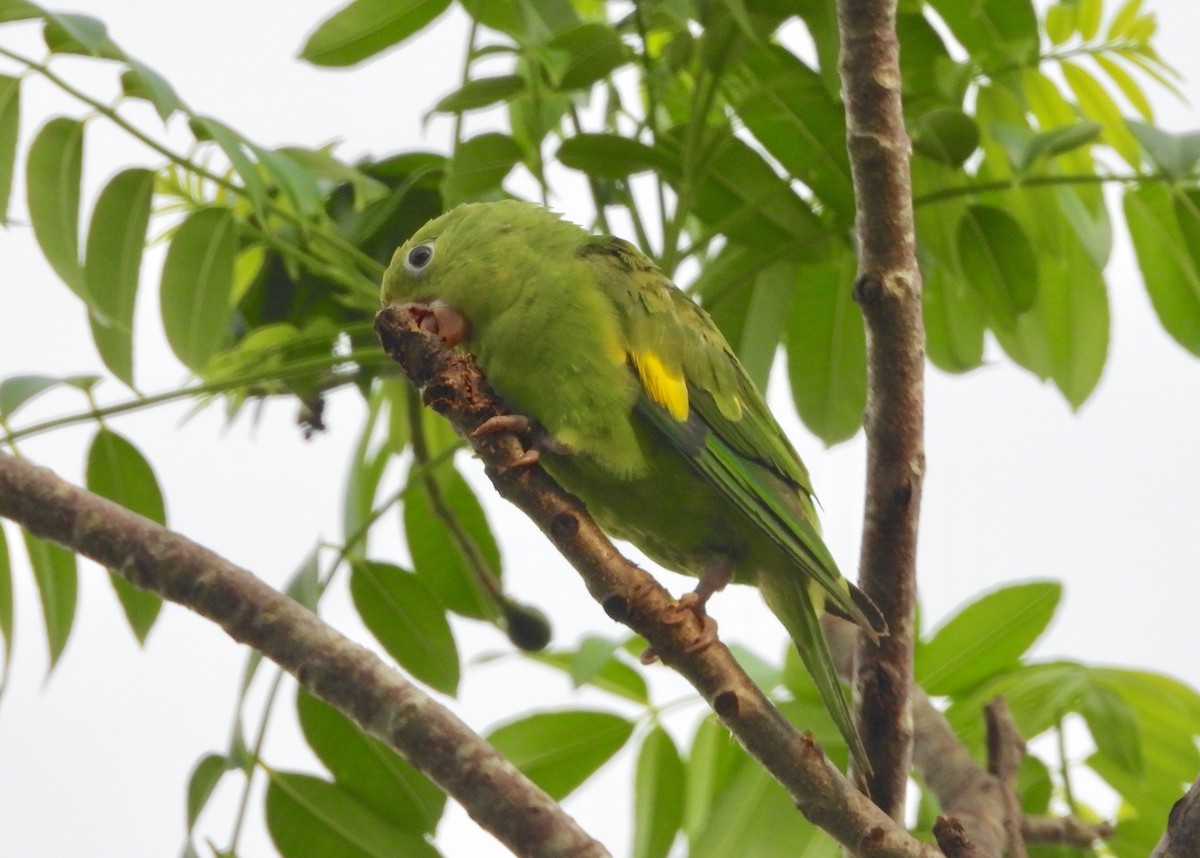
point(418, 259)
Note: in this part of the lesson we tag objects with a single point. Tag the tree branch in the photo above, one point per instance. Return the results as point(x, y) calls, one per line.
point(971, 798)
point(453, 386)
point(1006, 749)
point(335, 669)
point(1182, 837)
point(888, 290)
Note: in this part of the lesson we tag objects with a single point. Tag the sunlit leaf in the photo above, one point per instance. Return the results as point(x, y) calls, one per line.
point(364, 28)
point(308, 816)
point(658, 793)
point(481, 92)
point(409, 620)
point(369, 769)
point(117, 470)
point(204, 779)
point(58, 582)
point(558, 751)
point(112, 265)
point(986, 636)
point(141, 81)
point(10, 118)
point(826, 350)
point(52, 175)
point(197, 279)
point(1129, 87)
point(1097, 104)
point(478, 167)
point(998, 260)
point(1169, 270)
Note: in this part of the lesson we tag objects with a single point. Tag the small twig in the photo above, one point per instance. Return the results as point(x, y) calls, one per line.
point(1065, 830)
point(347, 676)
point(888, 289)
point(1006, 749)
point(1182, 837)
point(954, 841)
point(453, 386)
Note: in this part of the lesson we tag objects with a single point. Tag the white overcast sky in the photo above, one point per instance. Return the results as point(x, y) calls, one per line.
point(94, 760)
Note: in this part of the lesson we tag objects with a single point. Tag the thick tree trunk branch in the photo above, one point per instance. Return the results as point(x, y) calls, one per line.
point(888, 289)
point(340, 672)
point(453, 386)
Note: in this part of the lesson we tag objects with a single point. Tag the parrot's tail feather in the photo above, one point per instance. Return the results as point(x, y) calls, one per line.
point(789, 597)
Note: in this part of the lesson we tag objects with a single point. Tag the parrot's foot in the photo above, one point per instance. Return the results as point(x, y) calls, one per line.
point(696, 604)
point(440, 319)
point(520, 425)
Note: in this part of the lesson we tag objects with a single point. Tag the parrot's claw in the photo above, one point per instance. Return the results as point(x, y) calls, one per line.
point(688, 604)
point(520, 425)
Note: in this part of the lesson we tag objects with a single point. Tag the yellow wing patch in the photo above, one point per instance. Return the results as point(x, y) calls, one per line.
point(665, 385)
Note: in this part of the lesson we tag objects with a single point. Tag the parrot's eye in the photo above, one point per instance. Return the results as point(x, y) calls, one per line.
point(419, 257)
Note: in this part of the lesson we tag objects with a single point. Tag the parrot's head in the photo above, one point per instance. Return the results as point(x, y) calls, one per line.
point(463, 269)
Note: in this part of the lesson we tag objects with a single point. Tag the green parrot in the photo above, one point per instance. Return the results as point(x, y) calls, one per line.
point(639, 407)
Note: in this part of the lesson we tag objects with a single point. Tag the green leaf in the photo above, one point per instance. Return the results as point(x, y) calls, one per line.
point(712, 762)
point(998, 260)
point(993, 29)
point(827, 351)
point(592, 51)
point(1129, 87)
point(141, 81)
point(788, 108)
point(364, 28)
point(234, 147)
point(409, 620)
point(57, 582)
point(204, 779)
point(1060, 22)
point(6, 608)
point(1176, 154)
point(79, 34)
point(739, 194)
point(305, 584)
point(112, 264)
point(658, 789)
point(986, 637)
point(308, 816)
point(1089, 18)
point(613, 676)
point(436, 559)
point(117, 471)
point(52, 175)
point(10, 119)
point(1059, 140)
point(947, 135)
point(20, 389)
point(368, 769)
point(1171, 273)
point(1097, 104)
point(558, 751)
point(479, 166)
point(1113, 726)
point(611, 156)
point(19, 10)
point(754, 815)
point(197, 280)
point(481, 92)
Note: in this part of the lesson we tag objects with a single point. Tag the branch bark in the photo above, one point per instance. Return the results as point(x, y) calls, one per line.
point(1182, 837)
point(888, 290)
point(335, 669)
point(453, 386)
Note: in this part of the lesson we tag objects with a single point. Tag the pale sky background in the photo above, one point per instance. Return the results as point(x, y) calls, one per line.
point(95, 759)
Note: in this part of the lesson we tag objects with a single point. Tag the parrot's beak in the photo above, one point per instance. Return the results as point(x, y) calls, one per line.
point(440, 319)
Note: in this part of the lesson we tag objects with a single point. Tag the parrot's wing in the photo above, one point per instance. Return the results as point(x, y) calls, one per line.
point(700, 397)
